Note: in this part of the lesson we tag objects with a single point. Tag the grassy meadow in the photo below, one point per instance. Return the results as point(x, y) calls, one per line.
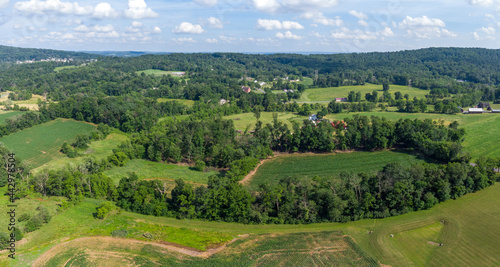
point(9, 114)
point(41, 143)
point(154, 170)
point(326, 165)
point(317, 95)
point(186, 102)
point(157, 72)
point(241, 121)
point(97, 149)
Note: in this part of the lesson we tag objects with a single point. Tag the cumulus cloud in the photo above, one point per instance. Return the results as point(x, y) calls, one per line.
point(183, 40)
point(272, 6)
point(81, 28)
point(266, 24)
point(36, 6)
point(425, 28)
point(206, 2)
point(288, 35)
point(484, 33)
point(387, 32)
point(215, 23)
point(157, 30)
point(480, 2)
point(106, 28)
point(358, 15)
point(212, 40)
point(136, 24)
point(318, 17)
point(356, 35)
point(362, 23)
point(138, 9)
point(189, 28)
point(104, 10)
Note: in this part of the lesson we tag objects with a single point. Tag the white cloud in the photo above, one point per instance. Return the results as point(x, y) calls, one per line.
point(318, 17)
point(187, 27)
point(424, 21)
point(358, 15)
point(425, 28)
point(317, 35)
point(206, 2)
point(288, 35)
point(104, 10)
point(268, 25)
point(138, 9)
point(387, 32)
point(226, 39)
point(215, 23)
point(356, 35)
point(183, 40)
point(272, 6)
point(212, 40)
point(36, 6)
point(157, 29)
point(136, 24)
point(362, 23)
point(480, 2)
point(4, 3)
point(484, 33)
point(81, 28)
point(106, 28)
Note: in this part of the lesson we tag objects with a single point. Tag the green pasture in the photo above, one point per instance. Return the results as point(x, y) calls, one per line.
point(41, 143)
point(185, 102)
point(97, 149)
point(157, 72)
point(314, 95)
point(241, 121)
point(155, 170)
point(326, 165)
point(57, 69)
point(9, 114)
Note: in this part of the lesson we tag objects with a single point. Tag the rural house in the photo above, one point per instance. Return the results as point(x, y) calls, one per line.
point(246, 89)
point(222, 101)
point(475, 110)
point(313, 117)
point(341, 99)
point(484, 105)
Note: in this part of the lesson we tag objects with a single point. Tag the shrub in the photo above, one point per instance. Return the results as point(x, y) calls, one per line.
point(24, 217)
point(119, 233)
point(199, 165)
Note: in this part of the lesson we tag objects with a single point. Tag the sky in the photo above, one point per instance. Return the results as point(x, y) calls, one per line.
point(325, 26)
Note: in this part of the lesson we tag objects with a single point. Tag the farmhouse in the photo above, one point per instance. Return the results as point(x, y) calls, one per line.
point(495, 111)
point(313, 117)
point(246, 89)
point(341, 99)
point(475, 110)
point(178, 73)
point(484, 105)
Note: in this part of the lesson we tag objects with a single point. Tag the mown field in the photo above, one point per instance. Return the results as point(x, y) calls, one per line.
point(97, 149)
point(241, 121)
point(9, 114)
point(154, 170)
point(57, 69)
point(326, 165)
point(328, 94)
point(41, 143)
point(468, 228)
point(186, 102)
point(157, 72)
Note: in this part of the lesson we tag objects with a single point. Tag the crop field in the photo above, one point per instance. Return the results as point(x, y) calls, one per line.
point(241, 121)
point(158, 72)
point(9, 114)
point(41, 143)
point(97, 149)
point(314, 95)
point(154, 170)
point(186, 102)
point(325, 165)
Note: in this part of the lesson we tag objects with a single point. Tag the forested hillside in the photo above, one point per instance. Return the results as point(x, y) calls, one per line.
point(13, 54)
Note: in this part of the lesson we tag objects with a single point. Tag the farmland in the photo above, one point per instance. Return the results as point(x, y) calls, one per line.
point(188, 103)
point(155, 170)
point(241, 121)
point(9, 114)
point(326, 166)
point(318, 95)
point(41, 143)
point(158, 72)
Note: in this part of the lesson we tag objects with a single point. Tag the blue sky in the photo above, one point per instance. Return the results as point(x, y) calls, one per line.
point(249, 25)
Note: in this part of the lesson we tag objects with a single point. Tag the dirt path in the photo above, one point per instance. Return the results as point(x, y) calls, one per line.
point(100, 242)
point(249, 176)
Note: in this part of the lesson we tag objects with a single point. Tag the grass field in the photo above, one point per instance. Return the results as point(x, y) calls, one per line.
point(186, 102)
point(97, 149)
point(241, 121)
point(154, 170)
point(41, 143)
point(9, 114)
point(315, 95)
point(157, 72)
point(57, 69)
point(327, 165)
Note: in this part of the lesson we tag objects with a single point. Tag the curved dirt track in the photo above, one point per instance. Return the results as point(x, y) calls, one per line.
point(104, 241)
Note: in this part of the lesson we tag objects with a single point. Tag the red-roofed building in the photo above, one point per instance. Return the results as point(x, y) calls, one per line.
point(246, 89)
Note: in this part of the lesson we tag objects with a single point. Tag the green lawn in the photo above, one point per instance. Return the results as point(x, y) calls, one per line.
point(149, 170)
point(326, 165)
point(41, 143)
point(9, 114)
point(315, 95)
point(157, 72)
point(241, 121)
point(98, 149)
point(186, 102)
